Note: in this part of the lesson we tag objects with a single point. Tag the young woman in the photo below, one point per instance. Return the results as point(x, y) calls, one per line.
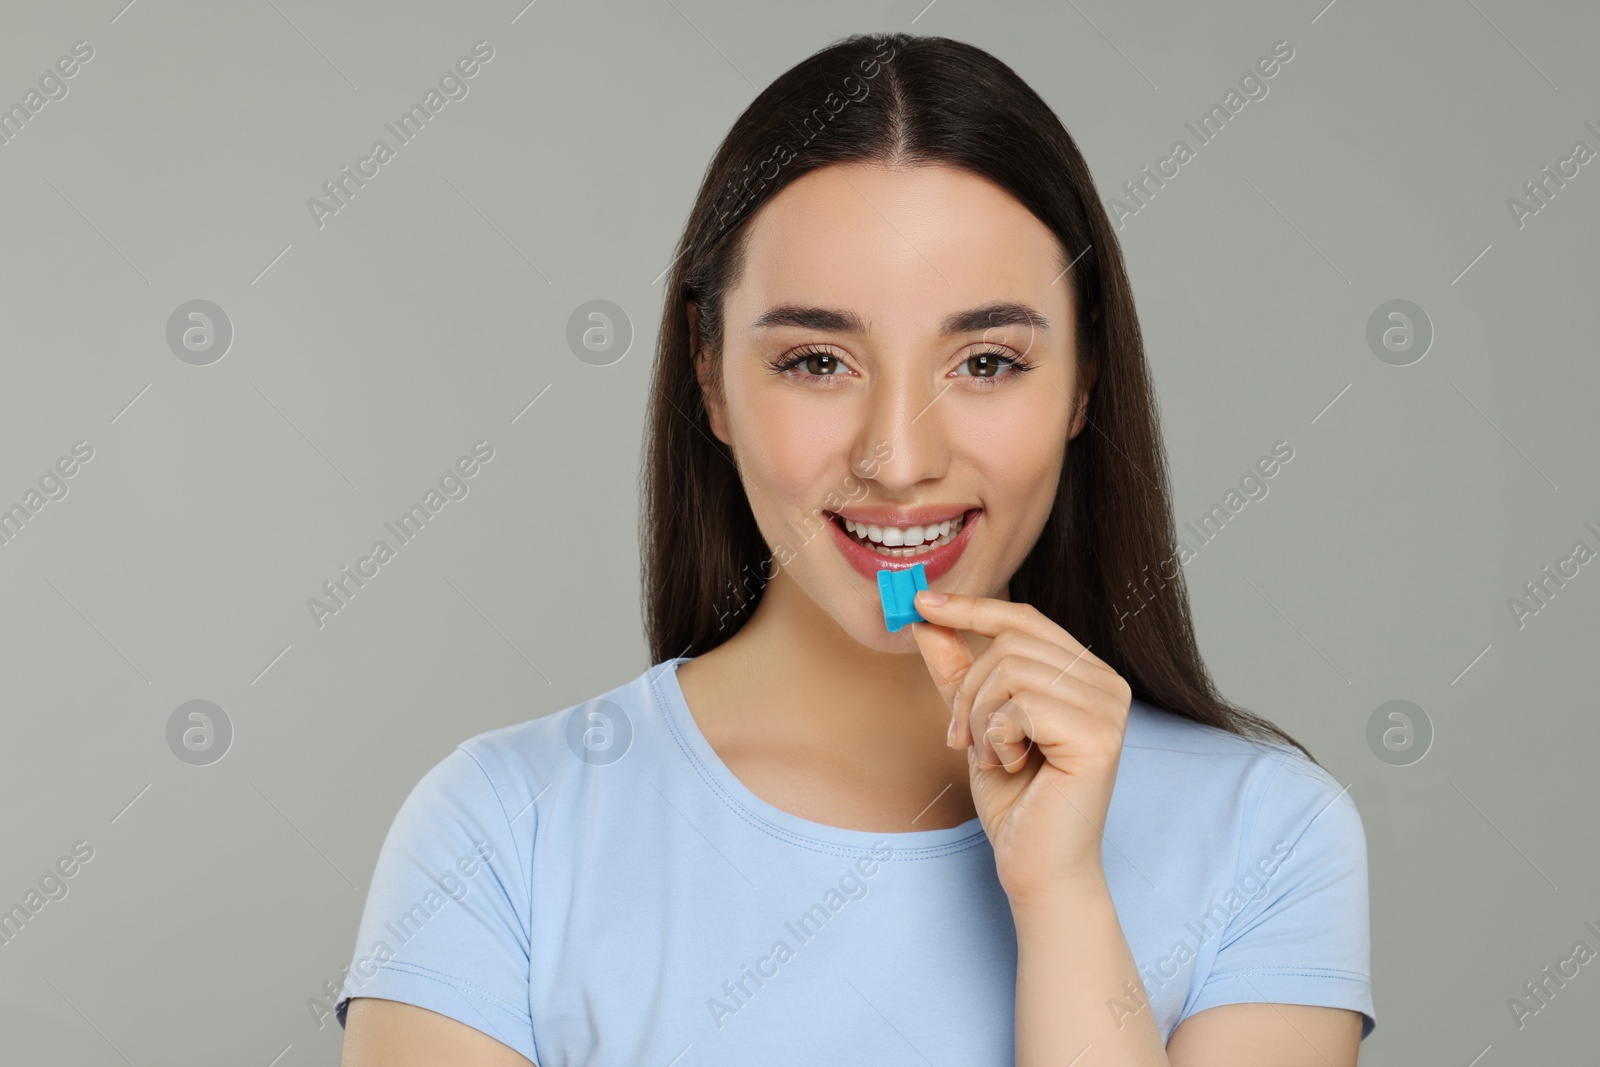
point(1023, 830)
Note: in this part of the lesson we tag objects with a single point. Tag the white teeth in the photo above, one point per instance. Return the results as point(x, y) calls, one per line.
point(905, 541)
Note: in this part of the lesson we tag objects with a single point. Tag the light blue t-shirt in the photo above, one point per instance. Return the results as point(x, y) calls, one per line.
point(596, 887)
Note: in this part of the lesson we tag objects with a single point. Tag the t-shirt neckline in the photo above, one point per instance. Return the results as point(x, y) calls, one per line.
point(910, 844)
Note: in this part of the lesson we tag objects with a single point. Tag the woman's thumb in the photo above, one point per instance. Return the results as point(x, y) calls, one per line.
point(946, 654)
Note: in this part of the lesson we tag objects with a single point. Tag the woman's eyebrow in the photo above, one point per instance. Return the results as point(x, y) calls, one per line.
point(835, 320)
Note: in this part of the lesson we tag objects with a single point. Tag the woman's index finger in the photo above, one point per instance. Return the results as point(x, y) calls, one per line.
point(989, 617)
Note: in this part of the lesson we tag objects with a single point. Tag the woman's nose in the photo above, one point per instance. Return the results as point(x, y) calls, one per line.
point(907, 423)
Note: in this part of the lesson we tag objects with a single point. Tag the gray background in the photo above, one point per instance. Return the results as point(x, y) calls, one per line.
point(368, 356)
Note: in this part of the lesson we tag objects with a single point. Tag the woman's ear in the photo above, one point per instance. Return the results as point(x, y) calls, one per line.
point(710, 389)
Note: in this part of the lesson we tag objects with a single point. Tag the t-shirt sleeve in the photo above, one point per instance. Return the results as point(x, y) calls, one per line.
point(445, 925)
point(1303, 936)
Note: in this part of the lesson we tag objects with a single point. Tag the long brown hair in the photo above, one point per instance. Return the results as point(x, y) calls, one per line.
point(901, 100)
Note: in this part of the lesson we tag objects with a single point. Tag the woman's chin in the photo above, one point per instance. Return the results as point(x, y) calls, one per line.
point(870, 631)
point(860, 618)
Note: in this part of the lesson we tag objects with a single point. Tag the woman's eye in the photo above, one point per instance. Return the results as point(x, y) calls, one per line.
point(810, 363)
point(820, 363)
point(988, 365)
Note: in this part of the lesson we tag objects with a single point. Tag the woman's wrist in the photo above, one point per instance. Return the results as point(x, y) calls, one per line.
point(1078, 985)
point(1063, 896)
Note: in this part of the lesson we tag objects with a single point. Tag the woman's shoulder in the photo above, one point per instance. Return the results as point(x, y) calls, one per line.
point(1258, 851)
point(522, 758)
point(1228, 776)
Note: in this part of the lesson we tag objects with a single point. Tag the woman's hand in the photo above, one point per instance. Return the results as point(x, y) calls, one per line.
point(1044, 719)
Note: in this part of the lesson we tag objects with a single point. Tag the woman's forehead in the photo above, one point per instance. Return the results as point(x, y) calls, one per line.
point(939, 214)
point(897, 247)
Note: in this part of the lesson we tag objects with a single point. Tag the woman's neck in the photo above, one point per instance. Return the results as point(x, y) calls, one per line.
point(792, 641)
point(792, 681)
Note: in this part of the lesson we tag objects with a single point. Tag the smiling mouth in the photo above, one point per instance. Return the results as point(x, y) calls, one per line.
point(899, 542)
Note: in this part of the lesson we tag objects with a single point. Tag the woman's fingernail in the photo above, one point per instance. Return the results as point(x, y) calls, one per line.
point(931, 597)
point(950, 734)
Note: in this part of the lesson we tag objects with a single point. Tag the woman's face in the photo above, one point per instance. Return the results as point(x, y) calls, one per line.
point(907, 301)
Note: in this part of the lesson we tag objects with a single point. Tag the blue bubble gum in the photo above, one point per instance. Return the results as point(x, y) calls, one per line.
point(898, 591)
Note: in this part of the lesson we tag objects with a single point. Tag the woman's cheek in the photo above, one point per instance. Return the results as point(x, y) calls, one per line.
point(1018, 449)
point(801, 444)
point(1012, 442)
point(791, 473)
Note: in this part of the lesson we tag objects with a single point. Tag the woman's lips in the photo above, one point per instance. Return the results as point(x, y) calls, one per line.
point(935, 562)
